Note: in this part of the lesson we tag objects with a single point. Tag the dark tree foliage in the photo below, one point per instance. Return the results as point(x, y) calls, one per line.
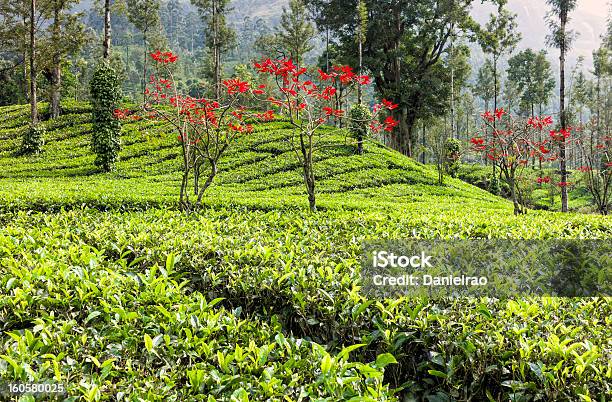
point(360, 117)
point(33, 140)
point(532, 75)
point(105, 89)
point(404, 48)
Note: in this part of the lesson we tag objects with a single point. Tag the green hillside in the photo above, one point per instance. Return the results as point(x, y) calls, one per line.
point(262, 166)
point(115, 293)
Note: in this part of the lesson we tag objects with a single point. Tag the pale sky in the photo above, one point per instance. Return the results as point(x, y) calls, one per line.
point(589, 20)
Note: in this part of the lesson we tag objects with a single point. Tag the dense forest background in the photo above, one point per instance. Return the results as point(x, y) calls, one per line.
point(181, 27)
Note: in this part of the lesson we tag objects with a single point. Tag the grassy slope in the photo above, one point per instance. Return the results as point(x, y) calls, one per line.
point(290, 272)
point(260, 166)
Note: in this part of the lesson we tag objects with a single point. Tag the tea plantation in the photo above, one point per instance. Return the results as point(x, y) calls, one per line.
point(107, 288)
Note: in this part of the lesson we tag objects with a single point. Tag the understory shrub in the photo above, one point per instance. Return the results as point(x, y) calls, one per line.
point(360, 118)
point(452, 156)
point(33, 140)
point(105, 90)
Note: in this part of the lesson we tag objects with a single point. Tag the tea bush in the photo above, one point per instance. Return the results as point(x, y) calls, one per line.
point(33, 140)
point(107, 288)
point(105, 91)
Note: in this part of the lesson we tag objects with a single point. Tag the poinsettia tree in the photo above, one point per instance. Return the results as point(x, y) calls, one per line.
point(310, 100)
point(205, 128)
point(510, 145)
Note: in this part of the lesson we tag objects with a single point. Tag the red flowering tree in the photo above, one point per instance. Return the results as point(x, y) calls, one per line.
point(310, 101)
point(510, 146)
point(205, 128)
point(597, 170)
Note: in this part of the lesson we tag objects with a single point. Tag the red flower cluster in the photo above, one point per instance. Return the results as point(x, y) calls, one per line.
point(477, 141)
point(298, 94)
point(240, 128)
point(164, 57)
point(346, 75)
point(564, 184)
point(290, 73)
point(560, 135)
point(121, 114)
point(540, 122)
point(332, 112)
point(389, 105)
point(545, 179)
point(266, 116)
point(490, 117)
point(390, 123)
point(478, 144)
point(283, 68)
point(584, 169)
point(259, 90)
point(235, 86)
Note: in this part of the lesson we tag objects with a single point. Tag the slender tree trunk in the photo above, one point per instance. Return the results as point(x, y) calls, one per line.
point(404, 137)
point(327, 50)
point(423, 143)
point(533, 159)
point(209, 180)
point(452, 111)
point(56, 76)
point(33, 103)
point(359, 89)
point(306, 143)
point(598, 121)
point(494, 99)
point(484, 157)
point(144, 66)
point(540, 140)
point(513, 193)
point(310, 184)
point(562, 154)
point(216, 49)
point(360, 55)
point(26, 90)
point(107, 30)
point(467, 121)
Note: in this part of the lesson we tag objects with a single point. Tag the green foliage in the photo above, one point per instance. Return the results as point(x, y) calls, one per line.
point(494, 186)
point(500, 34)
point(105, 90)
point(33, 140)
point(225, 35)
point(452, 156)
point(144, 14)
point(420, 38)
point(362, 17)
point(532, 74)
point(485, 86)
point(104, 280)
point(254, 306)
point(359, 120)
point(560, 37)
point(13, 86)
point(295, 31)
